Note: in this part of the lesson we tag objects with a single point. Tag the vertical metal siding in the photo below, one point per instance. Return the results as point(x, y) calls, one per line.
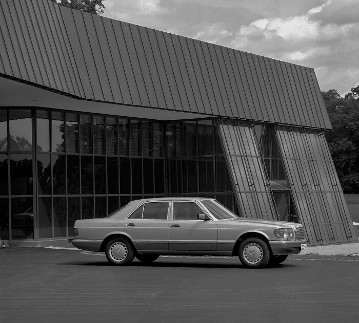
point(316, 190)
point(113, 90)
point(100, 59)
point(244, 164)
point(199, 69)
point(187, 82)
point(176, 72)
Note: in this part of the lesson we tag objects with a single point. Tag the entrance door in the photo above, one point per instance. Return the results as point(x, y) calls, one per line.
point(187, 233)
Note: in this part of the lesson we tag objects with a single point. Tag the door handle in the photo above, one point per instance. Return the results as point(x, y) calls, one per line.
point(175, 226)
point(130, 225)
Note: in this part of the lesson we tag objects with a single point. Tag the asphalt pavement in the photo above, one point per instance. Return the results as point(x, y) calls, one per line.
point(67, 285)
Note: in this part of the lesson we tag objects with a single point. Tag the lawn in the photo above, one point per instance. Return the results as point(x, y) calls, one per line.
point(353, 206)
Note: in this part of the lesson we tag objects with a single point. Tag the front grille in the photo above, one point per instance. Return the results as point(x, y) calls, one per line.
point(299, 233)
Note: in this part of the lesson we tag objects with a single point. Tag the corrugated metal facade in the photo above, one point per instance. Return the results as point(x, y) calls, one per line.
point(96, 58)
point(244, 163)
point(315, 186)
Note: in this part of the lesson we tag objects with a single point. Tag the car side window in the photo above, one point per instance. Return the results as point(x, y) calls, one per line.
point(137, 214)
point(186, 211)
point(155, 211)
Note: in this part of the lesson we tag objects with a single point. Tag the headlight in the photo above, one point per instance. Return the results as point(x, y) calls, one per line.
point(284, 233)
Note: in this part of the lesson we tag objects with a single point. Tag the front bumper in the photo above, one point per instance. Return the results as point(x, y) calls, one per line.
point(286, 247)
point(90, 245)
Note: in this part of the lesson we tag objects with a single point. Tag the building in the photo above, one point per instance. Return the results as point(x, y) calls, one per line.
point(95, 112)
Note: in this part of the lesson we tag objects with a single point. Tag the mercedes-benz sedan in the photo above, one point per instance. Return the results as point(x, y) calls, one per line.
point(148, 228)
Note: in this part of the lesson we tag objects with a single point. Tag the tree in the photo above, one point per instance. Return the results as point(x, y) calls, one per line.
point(91, 6)
point(343, 140)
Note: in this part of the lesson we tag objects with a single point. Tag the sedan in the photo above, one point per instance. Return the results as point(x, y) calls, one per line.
point(148, 228)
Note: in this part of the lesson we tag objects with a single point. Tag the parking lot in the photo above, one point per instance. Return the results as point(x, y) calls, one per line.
point(47, 285)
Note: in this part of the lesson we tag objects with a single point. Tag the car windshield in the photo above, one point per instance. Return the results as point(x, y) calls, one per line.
point(219, 211)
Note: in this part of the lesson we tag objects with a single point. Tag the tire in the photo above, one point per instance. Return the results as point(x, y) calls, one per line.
point(254, 253)
point(147, 258)
point(119, 251)
point(276, 260)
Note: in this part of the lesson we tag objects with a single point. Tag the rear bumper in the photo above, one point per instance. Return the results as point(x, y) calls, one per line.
point(90, 245)
point(286, 247)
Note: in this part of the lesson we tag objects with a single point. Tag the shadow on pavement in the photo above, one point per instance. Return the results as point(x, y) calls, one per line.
point(163, 264)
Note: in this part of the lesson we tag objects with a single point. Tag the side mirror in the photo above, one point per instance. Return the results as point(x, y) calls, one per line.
point(202, 216)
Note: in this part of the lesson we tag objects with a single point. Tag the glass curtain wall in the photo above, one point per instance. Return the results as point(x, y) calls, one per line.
point(195, 162)
point(62, 166)
point(267, 143)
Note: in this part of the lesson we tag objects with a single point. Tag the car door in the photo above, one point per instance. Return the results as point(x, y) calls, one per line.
point(187, 233)
point(148, 227)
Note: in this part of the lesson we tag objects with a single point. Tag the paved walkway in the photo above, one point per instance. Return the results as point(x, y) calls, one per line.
point(347, 249)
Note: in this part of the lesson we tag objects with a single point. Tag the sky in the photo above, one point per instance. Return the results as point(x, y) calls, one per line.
point(322, 34)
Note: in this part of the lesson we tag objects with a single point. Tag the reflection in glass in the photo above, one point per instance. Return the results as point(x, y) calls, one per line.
point(123, 137)
point(99, 135)
point(86, 175)
point(43, 174)
point(100, 207)
point(111, 135)
point(42, 131)
point(20, 125)
point(157, 139)
point(74, 213)
point(3, 175)
point(3, 131)
point(86, 133)
point(21, 174)
point(135, 138)
point(205, 137)
point(112, 175)
point(146, 139)
point(87, 208)
point(22, 218)
point(45, 217)
point(100, 175)
point(4, 219)
point(73, 175)
point(58, 173)
point(57, 132)
point(148, 176)
point(159, 171)
point(189, 138)
point(220, 174)
point(72, 133)
point(60, 216)
point(125, 176)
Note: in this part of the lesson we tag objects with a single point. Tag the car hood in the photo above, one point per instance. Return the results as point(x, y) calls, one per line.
point(241, 221)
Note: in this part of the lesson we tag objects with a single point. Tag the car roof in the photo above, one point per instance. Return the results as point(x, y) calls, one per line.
point(175, 199)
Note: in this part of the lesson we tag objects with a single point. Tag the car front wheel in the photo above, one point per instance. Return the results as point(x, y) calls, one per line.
point(254, 253)
point(119, 251)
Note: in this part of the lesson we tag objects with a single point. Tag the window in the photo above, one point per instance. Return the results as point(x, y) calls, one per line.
point(157, 211)
point(186, 211)
point(151, 211)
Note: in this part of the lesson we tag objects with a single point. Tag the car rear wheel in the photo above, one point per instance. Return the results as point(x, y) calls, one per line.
point(276, 260)
point(147, 258)
point(254, 253)
point(119, 251)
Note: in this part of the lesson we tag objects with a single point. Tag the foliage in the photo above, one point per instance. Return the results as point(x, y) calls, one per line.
point(343, 140)
point(91, 6)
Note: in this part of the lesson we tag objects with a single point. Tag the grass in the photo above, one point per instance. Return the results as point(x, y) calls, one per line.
point(353, 206)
